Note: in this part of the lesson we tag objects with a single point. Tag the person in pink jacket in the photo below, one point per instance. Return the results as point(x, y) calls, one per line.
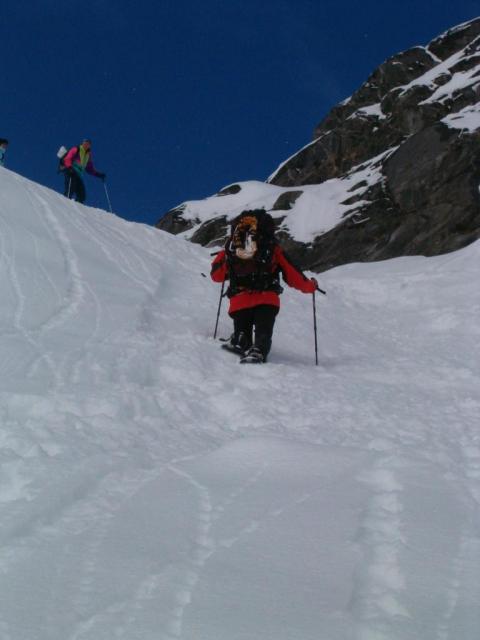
point(77, 161)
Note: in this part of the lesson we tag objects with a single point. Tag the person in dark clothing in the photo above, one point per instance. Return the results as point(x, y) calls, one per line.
point(76, 162)
point(254, 294)
point(3, 150)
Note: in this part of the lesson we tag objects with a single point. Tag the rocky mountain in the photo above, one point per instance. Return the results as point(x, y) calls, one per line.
point(393, 170)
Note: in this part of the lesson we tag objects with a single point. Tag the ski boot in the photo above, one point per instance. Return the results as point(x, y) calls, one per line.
point(238, 344)
point(254, 356)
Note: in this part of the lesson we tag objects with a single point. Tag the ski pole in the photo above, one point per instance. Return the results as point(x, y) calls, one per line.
point(315, 327)
point(108, 197)
point(218, 311)
point(315, 321)
point(69, 187)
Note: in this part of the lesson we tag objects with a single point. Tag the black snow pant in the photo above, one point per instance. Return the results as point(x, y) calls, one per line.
point(262, 319)
point(74, 186)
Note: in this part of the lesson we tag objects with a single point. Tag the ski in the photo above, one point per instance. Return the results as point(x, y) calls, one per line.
point(250, 360)
point(228, 346)
point(253, 356)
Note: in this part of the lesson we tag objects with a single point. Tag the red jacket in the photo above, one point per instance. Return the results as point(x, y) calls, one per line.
point(246, 299)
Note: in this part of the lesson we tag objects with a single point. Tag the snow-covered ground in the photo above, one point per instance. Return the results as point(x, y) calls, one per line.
point(151, 488)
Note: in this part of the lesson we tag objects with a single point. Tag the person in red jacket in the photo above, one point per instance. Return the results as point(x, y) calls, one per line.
point(255, 285)
point(77, 161)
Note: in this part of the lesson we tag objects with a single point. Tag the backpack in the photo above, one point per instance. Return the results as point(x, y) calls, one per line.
point(61, 153)
point(249, 253)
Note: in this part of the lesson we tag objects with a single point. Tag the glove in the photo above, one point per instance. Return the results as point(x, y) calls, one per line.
point(102, 176)
point(317, 288)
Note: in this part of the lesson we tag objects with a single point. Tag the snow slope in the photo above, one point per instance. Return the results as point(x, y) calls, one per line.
point(153, 489)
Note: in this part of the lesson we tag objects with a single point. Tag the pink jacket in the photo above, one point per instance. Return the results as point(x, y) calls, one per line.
point(79, 161)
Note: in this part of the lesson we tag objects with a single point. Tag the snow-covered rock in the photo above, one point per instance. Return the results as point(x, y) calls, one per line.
point(414, 126)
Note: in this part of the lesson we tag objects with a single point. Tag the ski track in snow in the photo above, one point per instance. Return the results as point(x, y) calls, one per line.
point(109, 502)
point(75, 360)
point(203, 548)
point(121, 616)
point(132, 259)
point(28, 336)
point(465, 582)
point(206, 543)
point(124, 265)
point(76, 290)
point(378, 591)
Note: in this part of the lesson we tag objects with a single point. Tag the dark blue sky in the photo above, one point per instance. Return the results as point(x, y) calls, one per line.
point(181, 98)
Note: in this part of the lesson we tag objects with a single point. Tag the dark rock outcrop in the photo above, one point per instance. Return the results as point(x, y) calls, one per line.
point(174, 222)
point(428, 204)
point(349, 136)
point(412, 119)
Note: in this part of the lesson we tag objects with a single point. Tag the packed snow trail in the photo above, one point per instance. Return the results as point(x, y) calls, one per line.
point(153, 489)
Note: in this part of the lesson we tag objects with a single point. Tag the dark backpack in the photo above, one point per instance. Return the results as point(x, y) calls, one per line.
point(249, 253)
